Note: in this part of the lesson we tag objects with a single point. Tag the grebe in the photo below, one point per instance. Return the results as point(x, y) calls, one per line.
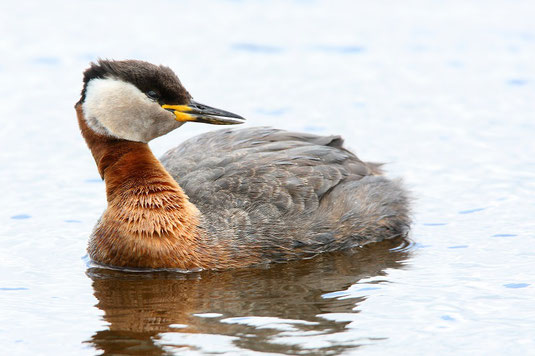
point(224, 199)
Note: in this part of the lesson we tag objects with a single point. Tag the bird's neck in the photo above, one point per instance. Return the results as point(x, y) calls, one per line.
point(149, 221)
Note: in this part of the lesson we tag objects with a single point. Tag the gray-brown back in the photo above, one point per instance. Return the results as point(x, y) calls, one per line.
point(287, 193)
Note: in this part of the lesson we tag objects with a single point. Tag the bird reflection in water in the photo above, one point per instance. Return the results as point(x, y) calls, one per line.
point(142, 307)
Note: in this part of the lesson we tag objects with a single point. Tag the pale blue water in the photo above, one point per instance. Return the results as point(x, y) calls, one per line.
point(443, 91)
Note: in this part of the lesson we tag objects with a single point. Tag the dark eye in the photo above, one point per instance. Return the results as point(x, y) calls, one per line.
point(153, 95)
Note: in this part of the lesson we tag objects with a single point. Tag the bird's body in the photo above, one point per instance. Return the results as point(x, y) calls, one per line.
point(235, 198)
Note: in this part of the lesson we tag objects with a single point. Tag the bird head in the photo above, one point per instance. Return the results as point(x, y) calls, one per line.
point(139, 101)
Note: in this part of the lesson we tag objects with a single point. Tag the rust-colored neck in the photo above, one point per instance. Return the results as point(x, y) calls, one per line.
point(121, 163)
point(149, 221)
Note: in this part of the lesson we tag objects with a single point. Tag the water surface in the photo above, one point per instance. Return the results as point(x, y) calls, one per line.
point(441, 91)
point(283, 308)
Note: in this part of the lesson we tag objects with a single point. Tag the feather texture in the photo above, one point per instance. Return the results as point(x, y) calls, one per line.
point(286, 194)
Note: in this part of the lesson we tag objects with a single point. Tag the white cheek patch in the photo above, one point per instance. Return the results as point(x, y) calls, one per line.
point(116, 108)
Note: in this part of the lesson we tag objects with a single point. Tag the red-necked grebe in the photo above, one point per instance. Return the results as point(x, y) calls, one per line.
point(224, 199)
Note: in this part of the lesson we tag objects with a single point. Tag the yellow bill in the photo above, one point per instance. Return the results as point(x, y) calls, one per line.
point(197, 112)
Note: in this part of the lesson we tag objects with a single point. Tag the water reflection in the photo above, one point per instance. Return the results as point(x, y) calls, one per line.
point(145, 310)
